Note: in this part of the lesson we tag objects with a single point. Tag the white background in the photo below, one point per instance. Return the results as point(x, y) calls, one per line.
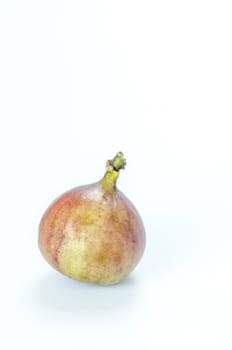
point(79, 81)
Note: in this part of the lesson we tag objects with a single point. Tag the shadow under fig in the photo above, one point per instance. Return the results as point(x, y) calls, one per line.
point(62, 294)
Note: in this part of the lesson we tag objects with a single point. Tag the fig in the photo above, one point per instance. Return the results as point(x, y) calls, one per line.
point(93, 233)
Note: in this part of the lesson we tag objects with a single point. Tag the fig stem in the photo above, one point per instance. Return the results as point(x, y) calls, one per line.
point(113, 168)
point(118, 162)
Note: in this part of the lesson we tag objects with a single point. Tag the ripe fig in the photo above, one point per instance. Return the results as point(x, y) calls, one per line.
point(93, 233)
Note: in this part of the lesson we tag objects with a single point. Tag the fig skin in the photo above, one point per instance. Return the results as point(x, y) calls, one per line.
point(93, 233)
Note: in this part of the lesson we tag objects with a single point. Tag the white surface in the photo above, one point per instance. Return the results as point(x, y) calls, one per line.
point(80, 80)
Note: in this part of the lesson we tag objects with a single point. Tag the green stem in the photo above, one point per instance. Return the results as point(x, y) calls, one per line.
point(113, 168)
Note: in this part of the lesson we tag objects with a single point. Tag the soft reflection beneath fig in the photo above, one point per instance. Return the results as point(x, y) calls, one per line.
point(62, 294)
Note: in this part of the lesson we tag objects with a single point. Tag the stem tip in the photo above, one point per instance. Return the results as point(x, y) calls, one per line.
point(118, 162)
